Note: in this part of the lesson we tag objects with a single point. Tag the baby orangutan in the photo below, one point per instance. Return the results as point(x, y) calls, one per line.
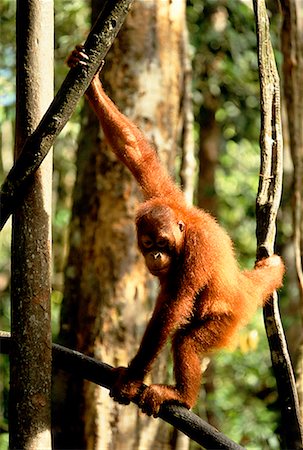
point(204, 298)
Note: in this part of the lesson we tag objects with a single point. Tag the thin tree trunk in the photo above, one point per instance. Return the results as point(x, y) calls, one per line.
point(188, 162)
point(292, 48)
point(30, 361)
point(208, 156)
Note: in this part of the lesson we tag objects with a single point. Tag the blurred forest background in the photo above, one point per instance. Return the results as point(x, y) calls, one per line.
point(101, 294)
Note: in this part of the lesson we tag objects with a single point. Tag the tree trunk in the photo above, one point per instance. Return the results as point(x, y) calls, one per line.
point(30, 360)
point(208, 155)
point(292, 48)
point(188, 161)
point(108, 294)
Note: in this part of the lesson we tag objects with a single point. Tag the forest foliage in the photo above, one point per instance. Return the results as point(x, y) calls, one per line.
point(223, 48)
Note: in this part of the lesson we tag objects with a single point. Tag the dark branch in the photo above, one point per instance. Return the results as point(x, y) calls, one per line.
point(75, 84)
point(101, 374)
point(268, 200)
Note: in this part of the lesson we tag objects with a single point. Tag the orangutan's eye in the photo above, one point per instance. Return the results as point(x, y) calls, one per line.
point(147, 243)
point(161, 243)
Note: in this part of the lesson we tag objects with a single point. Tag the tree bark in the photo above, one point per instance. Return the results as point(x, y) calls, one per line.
point(188, 161)
point(208, 156)
point(30, 361)
point(108, 295)
point(292, 48)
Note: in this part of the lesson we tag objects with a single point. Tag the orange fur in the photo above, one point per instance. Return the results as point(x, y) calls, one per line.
point(204, 298)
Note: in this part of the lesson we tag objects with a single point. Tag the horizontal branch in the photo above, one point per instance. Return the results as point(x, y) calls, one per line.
point(100, 373)
point(75, 84)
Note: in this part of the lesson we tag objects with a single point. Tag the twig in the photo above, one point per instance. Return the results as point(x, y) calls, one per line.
point(75, 84)
point(97, 372)
point(267, 205)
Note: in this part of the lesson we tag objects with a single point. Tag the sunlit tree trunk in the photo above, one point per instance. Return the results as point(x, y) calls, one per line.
point(30, 358)
point(188, 159)
point(108, 294)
